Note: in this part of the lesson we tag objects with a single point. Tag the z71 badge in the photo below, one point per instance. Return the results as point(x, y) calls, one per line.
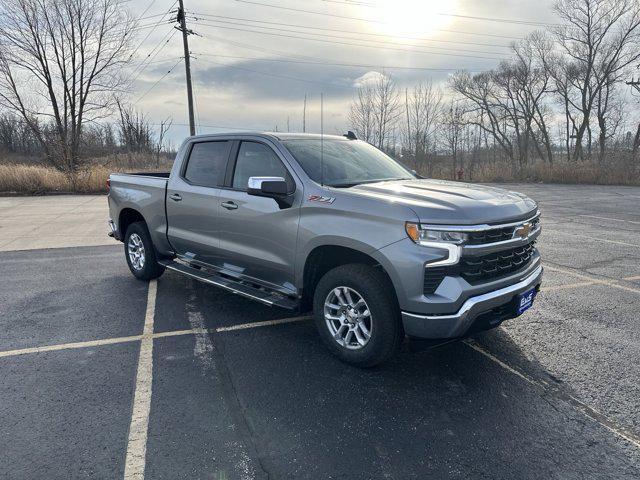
point(321, 199)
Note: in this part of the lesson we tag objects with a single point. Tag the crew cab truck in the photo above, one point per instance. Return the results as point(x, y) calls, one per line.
point(334, 225)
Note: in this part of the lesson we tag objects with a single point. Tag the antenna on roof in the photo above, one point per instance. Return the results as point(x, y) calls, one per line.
point(322, 139)
point(350, 135)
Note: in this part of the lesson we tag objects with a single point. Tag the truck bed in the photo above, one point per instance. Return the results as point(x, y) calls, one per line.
point(144, 193)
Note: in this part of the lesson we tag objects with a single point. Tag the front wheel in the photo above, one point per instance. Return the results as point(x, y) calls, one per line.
point(357, 314)
point(140, 254)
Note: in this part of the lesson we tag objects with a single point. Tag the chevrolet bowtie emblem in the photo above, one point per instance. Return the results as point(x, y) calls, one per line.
point(523, 230)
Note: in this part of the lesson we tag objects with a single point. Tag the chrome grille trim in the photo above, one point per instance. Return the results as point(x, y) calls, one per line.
point(478, 228)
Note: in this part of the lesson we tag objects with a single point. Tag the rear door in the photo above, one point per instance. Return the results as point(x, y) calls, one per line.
point(258, 236)
point(192, 200)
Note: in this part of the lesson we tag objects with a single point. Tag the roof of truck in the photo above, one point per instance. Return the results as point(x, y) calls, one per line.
point(274, 135)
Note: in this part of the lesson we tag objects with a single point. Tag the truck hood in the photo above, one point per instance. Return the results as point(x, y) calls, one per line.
point(442, 202)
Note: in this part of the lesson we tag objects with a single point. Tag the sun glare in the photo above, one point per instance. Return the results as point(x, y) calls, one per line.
point(415, 18)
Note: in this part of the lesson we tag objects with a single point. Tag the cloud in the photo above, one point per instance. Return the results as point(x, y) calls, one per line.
point(368, 78)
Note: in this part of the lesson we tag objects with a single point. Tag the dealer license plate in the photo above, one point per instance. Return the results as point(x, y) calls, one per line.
point(525, 300)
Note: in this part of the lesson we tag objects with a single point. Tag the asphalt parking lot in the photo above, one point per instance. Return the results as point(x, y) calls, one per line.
point(103, 376)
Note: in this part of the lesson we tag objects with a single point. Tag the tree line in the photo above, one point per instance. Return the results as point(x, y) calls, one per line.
point(62, 74)
point(561, 96)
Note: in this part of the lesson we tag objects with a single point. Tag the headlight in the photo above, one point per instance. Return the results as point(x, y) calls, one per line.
point(420, 234)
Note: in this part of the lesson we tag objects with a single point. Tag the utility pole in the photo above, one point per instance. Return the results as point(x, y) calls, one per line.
point(304, 114)
point(187, 63)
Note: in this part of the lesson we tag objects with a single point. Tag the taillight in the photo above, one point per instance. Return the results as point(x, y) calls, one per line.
point(108, 184)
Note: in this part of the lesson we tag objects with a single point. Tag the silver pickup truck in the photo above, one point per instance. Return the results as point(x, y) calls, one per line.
point(331, 224)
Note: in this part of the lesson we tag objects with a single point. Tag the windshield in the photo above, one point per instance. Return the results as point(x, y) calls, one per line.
point(346, 162)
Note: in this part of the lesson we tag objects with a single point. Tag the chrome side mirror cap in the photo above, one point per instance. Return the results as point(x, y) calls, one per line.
point(267, 186)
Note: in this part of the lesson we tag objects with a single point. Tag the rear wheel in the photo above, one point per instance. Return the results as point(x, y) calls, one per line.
point(357, 315)
point(140, 254)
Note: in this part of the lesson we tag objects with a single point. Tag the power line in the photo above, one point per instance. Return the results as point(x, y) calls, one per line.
point(153, 27)
point(157, 82)
point(152, 54)
point(352, 44)
point(466, 17)
point(146, 10)
point(298, 56)
point(260, 49)
point(330, 64)
point(221, 127)
point(347, 37)
point(355, 32)
point(269, 74)
point(300, 10)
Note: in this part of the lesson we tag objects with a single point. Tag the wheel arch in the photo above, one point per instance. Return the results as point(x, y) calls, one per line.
point(325, 257)
point(126, 217)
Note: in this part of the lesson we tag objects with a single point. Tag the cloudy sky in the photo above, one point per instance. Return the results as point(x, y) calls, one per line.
point(254, 60)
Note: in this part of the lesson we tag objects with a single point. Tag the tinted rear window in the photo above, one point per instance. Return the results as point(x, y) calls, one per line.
point(207, 163)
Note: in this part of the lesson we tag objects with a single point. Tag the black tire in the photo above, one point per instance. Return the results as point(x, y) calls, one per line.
point(151, 268)
point(377, 291)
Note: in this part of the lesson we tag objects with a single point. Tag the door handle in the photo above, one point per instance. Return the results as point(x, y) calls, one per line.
point(229, 205)
point(175, 197)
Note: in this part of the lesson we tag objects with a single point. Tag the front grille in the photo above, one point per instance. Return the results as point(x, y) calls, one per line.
point(494, 265)
point(490, 236)
point(433, 276)
point(497, 234)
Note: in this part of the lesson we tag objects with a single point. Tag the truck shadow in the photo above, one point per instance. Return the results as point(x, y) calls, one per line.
point(446, 412)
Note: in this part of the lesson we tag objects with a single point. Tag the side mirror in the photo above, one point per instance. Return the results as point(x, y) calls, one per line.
point(270, 187)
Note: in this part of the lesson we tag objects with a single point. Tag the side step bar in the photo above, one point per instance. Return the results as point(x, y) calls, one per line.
point(273, 299)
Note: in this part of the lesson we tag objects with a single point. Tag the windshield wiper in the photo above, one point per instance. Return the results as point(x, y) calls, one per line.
point(344, 185)
point(353, 184)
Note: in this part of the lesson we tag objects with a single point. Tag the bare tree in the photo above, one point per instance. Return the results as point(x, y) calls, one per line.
point(61, 60)
point(387, 109)
point(508, 103)
point(375, 110)
point(361, 116)
point(453, 133)
point(165, 125)
point(598, 40)
point(422, 113)
point(135, 131)
point(486, 107)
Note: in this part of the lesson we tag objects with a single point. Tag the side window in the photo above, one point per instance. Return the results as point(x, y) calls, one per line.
point(207, 163)
point(258, 160)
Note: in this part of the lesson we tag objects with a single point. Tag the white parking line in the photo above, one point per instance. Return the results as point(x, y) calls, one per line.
point(69, 346)
point(590, 278)
point(137, 446)
point(589, 237)
point(568, 286)
point(583, 408)
point(266, 323)
point(610, 218)
point(135, 338)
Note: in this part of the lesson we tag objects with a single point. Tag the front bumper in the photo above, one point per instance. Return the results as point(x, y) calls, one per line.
point(458, 324)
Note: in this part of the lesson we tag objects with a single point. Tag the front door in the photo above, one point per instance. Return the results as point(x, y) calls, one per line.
point(259, 237)
point(192, 201)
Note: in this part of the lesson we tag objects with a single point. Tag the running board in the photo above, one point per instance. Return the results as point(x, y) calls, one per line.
point(271, 298)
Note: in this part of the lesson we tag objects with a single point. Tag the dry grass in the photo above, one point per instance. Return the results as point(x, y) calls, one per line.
point(568, 173)
point(30, 178)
